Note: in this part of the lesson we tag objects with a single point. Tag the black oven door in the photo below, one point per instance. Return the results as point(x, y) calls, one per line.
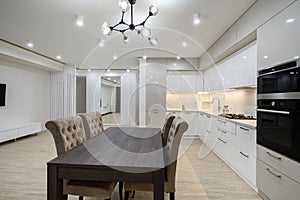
point(279, 82)
point(279, 130)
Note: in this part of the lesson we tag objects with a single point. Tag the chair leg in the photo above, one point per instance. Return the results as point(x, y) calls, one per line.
point(121, 190)
point(172, 196)
point(133, 193)
point(126, 195)
point(80, 198)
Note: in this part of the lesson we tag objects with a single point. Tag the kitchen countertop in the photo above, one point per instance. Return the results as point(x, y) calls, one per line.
point(243, 122)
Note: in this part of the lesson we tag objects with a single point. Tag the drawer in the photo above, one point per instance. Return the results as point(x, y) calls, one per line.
point(275, 185)
point(8, 135)
point(225, 150)
point(246, 165)
point(283, 164)
point(246, 139)
point(29, 130)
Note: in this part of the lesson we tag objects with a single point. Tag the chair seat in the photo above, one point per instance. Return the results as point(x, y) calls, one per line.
point(89, 188)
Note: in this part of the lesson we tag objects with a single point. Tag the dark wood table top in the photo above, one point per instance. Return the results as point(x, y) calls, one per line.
point(133, 149)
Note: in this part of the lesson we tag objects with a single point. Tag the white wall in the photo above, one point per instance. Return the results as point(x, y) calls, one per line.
point(28, 95)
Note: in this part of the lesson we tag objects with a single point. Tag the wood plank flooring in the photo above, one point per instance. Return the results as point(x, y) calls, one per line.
point(23, 173)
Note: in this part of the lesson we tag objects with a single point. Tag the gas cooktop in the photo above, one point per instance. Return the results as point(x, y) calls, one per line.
point(237, 116)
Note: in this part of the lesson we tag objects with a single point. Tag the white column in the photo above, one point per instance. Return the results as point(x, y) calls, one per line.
point(142, 92)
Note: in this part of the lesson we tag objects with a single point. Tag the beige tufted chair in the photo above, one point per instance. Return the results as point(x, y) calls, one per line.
point(166, 127)
point(178, 127)
point(92, 123)
point(67, 134)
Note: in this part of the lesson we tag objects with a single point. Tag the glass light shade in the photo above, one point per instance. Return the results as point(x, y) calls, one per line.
point(153, 10)
point(145, 32)
point(124, 5)
point(153, 40)
point(106, 30)
point(79, 20)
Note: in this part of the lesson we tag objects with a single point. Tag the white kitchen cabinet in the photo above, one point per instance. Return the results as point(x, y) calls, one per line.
point(237, 71)
point(203, 125)
point(245, 164)
point(182, 82)
point(274, 184)
point(192, 118)
point(277, 40)
point(246, 138)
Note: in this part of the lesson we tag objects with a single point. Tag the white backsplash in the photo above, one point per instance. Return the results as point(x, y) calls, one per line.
point(241, 101)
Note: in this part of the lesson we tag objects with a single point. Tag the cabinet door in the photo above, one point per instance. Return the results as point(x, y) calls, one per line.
point(212, 80)
point(192, 119)
point(276, 185)
point(277, 40)
point(246, 165)
point(246, 139)
point(173, 85)
point(8, 135)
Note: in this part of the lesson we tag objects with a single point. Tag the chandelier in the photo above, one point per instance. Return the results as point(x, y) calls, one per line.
point(122, 26)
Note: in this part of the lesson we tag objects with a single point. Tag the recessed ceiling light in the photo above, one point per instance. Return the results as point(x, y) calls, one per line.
point(115, 81)
point(196, 18)
point(144, 57)
point(58, 57)
point(244, 57)
point(184, 44)
point(290, 20)
point(115, 57)
point(175, 64)
point(266, 57)
point(79, 20)
point(128, 70)
point(30, 44)
point(296, 57)
point(89, 70)
point(108, 70)
point(178, 57)
point(109, 78)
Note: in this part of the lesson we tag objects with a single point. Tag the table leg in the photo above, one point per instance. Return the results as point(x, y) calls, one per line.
point(54, 184)
point(159, 184)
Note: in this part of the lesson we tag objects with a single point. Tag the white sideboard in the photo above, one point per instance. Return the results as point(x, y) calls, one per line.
point(18, 131)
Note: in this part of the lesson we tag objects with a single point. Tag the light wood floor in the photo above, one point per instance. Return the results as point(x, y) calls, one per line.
point(23, 173)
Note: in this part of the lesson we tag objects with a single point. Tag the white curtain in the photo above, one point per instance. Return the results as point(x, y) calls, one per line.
point(63, 93)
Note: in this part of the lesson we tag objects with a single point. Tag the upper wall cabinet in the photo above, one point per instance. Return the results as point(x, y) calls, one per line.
point(278, 39)
point(237, 71)
point(184, 82)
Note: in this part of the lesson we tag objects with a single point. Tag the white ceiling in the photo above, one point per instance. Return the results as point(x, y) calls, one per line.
point(50, 25)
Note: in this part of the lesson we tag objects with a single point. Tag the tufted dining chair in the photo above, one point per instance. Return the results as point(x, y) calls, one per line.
point(178, 127)
point(68, 133)
point(92, 123)
point(166, 127)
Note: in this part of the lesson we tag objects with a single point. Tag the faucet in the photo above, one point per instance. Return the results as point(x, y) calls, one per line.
point(219, 106)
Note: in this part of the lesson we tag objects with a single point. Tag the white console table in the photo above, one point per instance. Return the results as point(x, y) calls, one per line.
point(17, 131)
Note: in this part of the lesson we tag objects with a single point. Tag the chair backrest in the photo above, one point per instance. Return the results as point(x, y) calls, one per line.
point(178, 127)
point(67, 133)
point(166, 127)
point(92, 123)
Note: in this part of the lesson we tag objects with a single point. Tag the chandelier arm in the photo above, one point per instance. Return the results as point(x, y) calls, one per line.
point(143, 23)
point(121, 30)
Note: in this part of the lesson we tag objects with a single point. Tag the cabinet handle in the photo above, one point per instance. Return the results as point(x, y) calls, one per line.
point(207, 116)
point(273, 173)
point(208, 131)
point(221, 121)
point(247, 156)
point(201, 114)
point(222, 130)
point(222, 140)
point(272, 156)
point(245, 129)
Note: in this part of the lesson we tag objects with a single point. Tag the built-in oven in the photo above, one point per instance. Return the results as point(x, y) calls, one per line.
point(278, 109)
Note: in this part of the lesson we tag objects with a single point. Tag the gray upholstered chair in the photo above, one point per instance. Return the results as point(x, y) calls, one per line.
point(178, 127)
point(92, 123)
point(67, 134)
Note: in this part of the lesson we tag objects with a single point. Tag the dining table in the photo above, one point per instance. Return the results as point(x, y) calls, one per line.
point(124, 154)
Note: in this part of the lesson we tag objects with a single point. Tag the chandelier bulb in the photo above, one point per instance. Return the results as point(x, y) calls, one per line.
point(145, 32)
point(106, 30)
point(153, 10)
point(153, 40)
point(125, 39)
point(123, 5)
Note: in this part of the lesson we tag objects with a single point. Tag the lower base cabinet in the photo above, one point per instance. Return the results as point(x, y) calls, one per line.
point(274, 185)
point(278, 177)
